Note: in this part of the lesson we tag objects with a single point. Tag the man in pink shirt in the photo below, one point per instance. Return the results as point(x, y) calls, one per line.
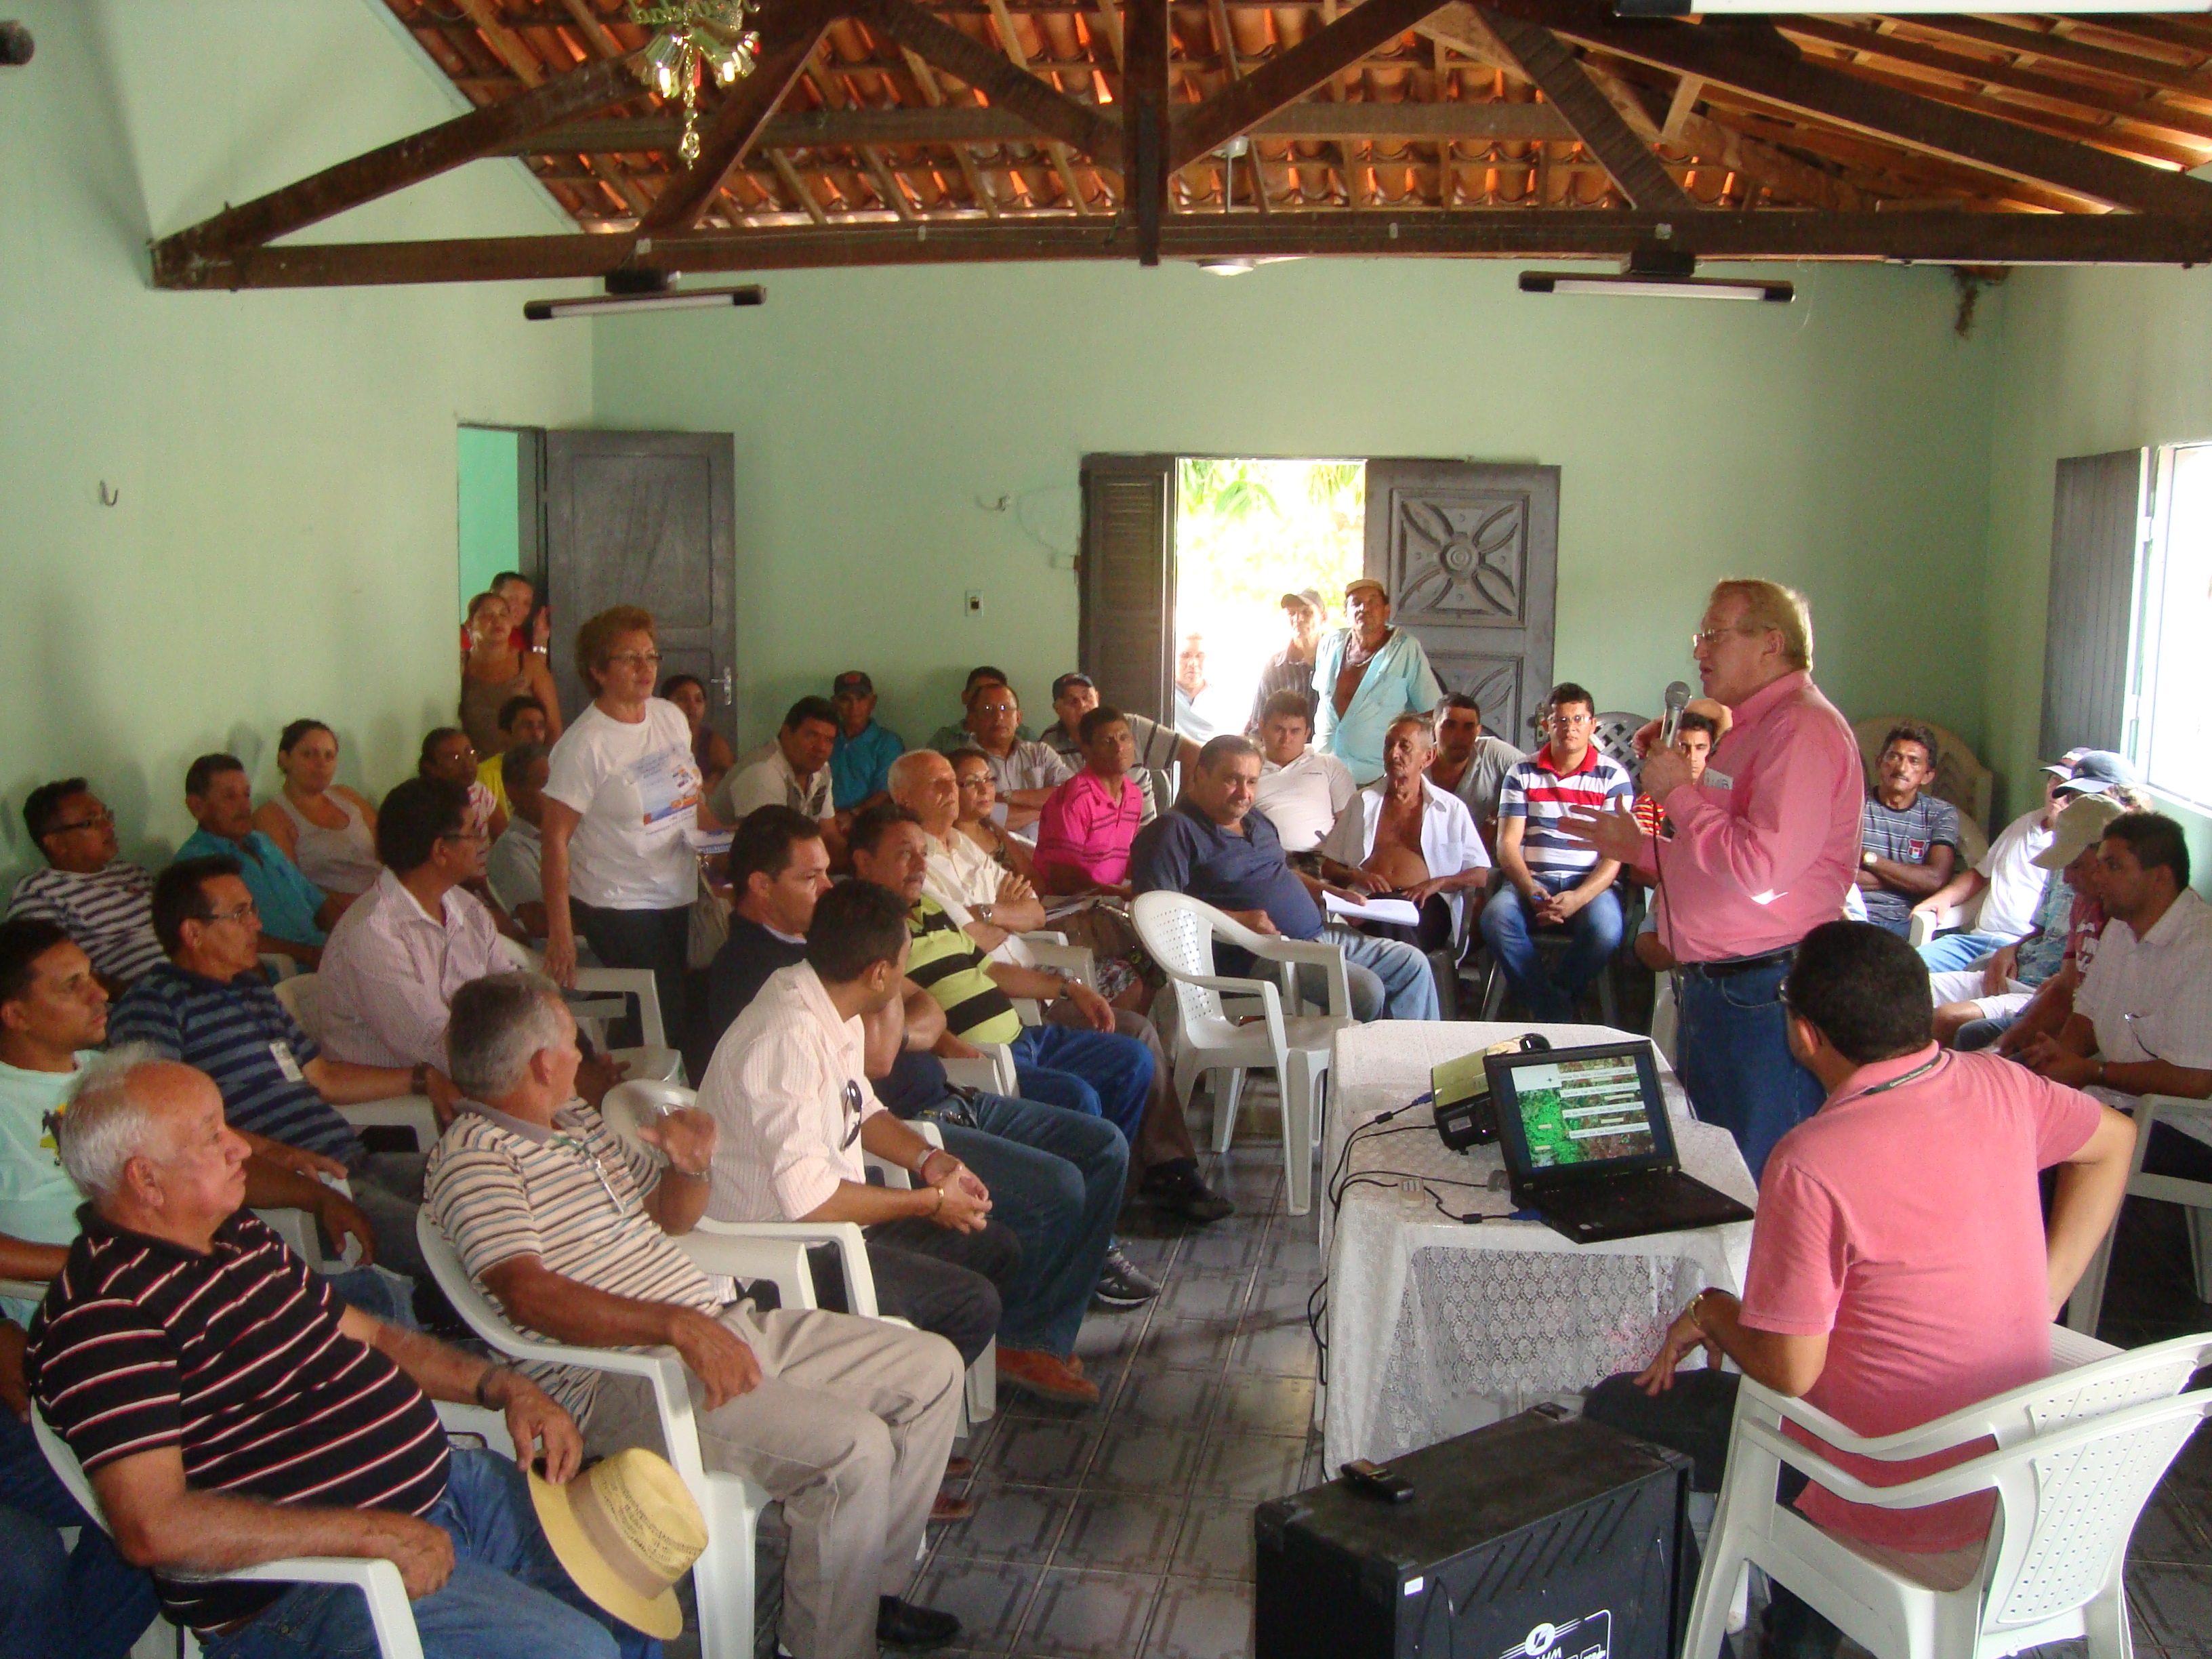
point(1088, 822)
point(1901, 1268)
point(1766, 845)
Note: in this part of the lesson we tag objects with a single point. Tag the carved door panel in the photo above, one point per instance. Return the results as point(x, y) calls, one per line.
point(1470, 553)
point(646, 518)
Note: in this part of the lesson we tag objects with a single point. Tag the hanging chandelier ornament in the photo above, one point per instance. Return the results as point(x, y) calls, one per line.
point(694, 37)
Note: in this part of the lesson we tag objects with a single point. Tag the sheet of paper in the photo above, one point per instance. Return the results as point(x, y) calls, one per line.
point(1396, 911)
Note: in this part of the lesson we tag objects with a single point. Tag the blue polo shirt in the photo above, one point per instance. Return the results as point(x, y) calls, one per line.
point(286, 899)
point(1184, 851)
point(240, 1034)
point(861, 767)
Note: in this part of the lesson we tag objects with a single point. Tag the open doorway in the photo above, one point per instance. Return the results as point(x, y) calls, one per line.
point(1248, 533)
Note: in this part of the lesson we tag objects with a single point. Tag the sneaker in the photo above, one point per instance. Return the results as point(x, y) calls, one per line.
point(1046, 1376)
point(1178, 1186)
point(1120, 1283)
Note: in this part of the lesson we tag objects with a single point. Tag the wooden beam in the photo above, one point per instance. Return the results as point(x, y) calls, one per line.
point(1732, 55)
point(2058, 49)
point(1052, 113)
point(801, 193)
point(593, 28)
point(1931, 237)
point(1687, 90)
point(1291, 75)
point(789, 35)
point(508, 46)
point(1546, 60)
point(1017, 55)
point(1144, 132)
point(934, 94)
point(405, 161)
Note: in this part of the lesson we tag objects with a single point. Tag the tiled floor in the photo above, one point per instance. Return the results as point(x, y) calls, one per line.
point(1125, 1531)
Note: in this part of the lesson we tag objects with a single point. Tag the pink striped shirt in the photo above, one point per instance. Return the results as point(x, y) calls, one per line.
point(1765, 843)
point(1084, 830)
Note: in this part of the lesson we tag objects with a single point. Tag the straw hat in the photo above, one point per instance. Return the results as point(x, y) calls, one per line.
point(626, 1528)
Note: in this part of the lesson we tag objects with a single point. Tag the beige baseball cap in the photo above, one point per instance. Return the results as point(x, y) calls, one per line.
point(2081, 827)
point(1358, 582)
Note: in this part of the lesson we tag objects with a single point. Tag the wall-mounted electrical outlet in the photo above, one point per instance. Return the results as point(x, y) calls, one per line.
point(974, 601)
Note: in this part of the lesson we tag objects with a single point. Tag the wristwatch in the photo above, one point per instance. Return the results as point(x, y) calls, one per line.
point(418, 1080)
point(982, 912)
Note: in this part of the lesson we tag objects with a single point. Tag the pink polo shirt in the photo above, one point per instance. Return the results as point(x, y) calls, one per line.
point(1906, 1225)
point(1083, 828)
point(1765, 842)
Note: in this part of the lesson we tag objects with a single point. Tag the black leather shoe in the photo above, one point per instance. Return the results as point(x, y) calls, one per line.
point(1178, 1189)
point(902, 1625)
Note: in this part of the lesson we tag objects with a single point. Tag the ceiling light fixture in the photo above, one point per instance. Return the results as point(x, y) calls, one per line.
point(1659, 273)
point(617, 304)
point(695, 36)
point(1226, 267)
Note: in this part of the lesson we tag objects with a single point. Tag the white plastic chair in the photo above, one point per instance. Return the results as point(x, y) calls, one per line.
point(2077, 1455)
point(654, 1061)
point(1180, 933)
point(632, 1102)
point(303, 997)
point(723, 1576)
point(2194, 1119)
point(377, 1579)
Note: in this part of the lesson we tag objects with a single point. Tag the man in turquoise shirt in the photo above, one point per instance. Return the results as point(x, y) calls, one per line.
point(296, 915)
point(860, 763)
point(1365, 676)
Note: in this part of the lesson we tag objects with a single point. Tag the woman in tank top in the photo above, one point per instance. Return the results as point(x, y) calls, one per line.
point(327, 828)
point(494, 671)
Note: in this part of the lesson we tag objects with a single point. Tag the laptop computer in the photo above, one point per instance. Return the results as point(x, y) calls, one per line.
point(1588, 1147)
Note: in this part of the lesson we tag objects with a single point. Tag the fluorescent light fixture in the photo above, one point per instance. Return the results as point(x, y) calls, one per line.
point(1225, 267)
point(608, 305)
point(1657, 288)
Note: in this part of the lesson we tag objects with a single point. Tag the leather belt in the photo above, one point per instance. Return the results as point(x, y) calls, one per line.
point(1728, 967)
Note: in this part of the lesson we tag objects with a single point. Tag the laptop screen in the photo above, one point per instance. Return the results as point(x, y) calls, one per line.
point(1596, 1110)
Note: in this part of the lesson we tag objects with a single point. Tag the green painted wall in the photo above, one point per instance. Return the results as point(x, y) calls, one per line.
point(2089, 362)
point(488, 487)
point(284, 540)
point(1841, 443)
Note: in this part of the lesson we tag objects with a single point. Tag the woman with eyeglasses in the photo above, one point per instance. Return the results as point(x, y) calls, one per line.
point(617, 864)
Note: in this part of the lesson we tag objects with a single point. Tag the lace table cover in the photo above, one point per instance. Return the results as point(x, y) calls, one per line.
point(1436, 1326)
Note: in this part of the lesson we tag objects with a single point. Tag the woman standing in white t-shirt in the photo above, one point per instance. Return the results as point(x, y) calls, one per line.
point(617, 864)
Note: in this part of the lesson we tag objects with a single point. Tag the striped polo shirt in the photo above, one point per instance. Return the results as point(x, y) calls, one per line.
point(236, 1360)
point(109, 912)
point(952, 967)
point(573, 1196)
point(240, 1034)
point(1535, 789)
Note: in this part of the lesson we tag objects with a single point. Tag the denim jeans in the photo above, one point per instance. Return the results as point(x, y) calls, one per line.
point(1056, 1179)
point(508, 1597)
point(1696, 1417)
point(1595, 931)
point(1098, 1074)
point(1978, 1033)
point(84, 1603)
point(941, 1281)
point(1955, 952)
point(1390, 978)
point(1735, 1062)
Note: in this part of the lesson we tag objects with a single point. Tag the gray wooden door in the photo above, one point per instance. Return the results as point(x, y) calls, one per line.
point(646, 518)
point(2100, 516)
point(1129, 581)
point(1470, 553)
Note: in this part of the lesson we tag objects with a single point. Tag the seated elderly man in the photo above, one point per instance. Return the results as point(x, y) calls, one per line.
point(1215, 847)
point(208, 1007)
point(1055, 1177)
point(1909, 840)
point(1158, 747)
point(403, 949)
point(1419, 841)
point(1307, 794)
point(1025, 770)
point(994, 908)
point(1469, 762)
point(788, 1089)
point(860, 760)
point(946, 738)
point(512, 867)
point(1902, 1267)
point(228, 1410)
point(792, 770)
point(296, 915)
point(847, 1421)
point(104, 902)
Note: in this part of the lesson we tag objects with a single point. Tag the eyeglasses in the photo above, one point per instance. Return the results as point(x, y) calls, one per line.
point(98, 820)
point(2134, 1023)
point(853, 1108)
point(569, 1143)
point(1583, 719)
point(635, 659)
point(478, 836)
point(239, 915)
point(1712, 636)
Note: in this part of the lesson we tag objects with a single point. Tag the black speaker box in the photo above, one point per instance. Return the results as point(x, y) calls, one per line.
point(1539, 1537)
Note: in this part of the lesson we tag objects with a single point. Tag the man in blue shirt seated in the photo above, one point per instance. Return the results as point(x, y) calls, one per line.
point(860, 763)
point(1214, 846)
point(296, 915)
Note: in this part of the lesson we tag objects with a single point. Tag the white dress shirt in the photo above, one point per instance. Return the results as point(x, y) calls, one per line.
point(2164, 980)
point(389, 970)
point(960, 875)
point(1450, 843)
point(788, 1086)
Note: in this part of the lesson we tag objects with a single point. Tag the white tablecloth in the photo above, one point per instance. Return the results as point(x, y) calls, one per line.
point(1435, 1325)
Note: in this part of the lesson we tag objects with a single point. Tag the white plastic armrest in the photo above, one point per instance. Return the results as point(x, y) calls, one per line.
point(1031, 1012)
point(994, 1073)
point(378, 1580)
point(1920, 927)
point(745, 1251)
point(1075, 961)
point(632, 982)
point(22, 1289)
point(1044, 936)
point(852, 1255)
point(279, 967)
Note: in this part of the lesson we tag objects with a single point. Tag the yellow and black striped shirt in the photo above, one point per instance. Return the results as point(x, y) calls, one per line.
point(952, 967)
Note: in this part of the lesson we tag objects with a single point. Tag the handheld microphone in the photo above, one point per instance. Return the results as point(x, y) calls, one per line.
point(1678, 699)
